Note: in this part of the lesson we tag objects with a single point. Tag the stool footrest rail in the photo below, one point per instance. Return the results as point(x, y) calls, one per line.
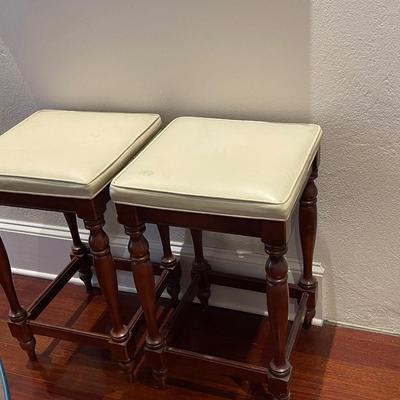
point(213, 364)
point(75, 335)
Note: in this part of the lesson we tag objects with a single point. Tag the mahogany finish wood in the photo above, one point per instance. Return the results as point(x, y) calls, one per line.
point(248, 283)
point(45, 298)
point(170, 263)
point(278, 310)
point(197, 221)
point(17, 315)
point(330, 362)
point(23, 324)
point(200, 267)
point(298, 321)
point(80, 250)
point(168, 327)
point(105, 271)
point(143, 276)
point(239, 369)
point(308, 233)
point(274, 235)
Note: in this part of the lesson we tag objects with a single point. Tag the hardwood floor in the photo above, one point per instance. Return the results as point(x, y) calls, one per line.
point(329, 363)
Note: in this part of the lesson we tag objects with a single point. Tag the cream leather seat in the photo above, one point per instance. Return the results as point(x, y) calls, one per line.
point(71, 153)
point(225, 167)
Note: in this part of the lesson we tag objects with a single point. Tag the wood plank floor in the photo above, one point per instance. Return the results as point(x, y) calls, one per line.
point(329, 363)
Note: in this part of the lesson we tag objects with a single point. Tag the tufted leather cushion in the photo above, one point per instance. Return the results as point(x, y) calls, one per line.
point(71, 153)
point(226, 167)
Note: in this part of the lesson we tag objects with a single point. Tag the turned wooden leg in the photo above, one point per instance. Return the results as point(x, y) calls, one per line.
point(78, 249)
point(143, 275)
point(308, 231)
point(17, 314)
point(278, 309)
point(106, 275)
point(170, 263)
point(200, 267)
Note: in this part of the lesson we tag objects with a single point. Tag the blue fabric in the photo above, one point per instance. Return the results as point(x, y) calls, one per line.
point(3, 384)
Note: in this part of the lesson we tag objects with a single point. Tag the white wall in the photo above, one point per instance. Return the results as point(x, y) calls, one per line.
point(334, 62)
point(355, 81)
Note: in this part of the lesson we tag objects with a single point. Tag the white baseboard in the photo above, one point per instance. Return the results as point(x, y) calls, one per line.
point(41, 251)
point(362, 328)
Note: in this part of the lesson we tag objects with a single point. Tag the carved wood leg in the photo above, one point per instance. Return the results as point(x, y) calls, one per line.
point(278, 309)
point(143, 275)
point(17, 314)
point(308, 231)
point(200, 267)
point(106, 275)
point(170, 263)
point(78, 249)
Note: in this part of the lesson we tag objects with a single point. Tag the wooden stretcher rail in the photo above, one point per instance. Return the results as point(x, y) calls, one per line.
point(212, 364)
point(190, 294)
point(124, 264)
point(69, 334)
point(76, 335)
point(203, 362)
point(44, 299)
point(138, 317)
point(247, 283)
point(48, 295)
point(296, 326)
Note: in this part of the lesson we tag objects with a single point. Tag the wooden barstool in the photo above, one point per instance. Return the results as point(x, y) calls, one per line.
point(64, 161)
point(237, 177)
